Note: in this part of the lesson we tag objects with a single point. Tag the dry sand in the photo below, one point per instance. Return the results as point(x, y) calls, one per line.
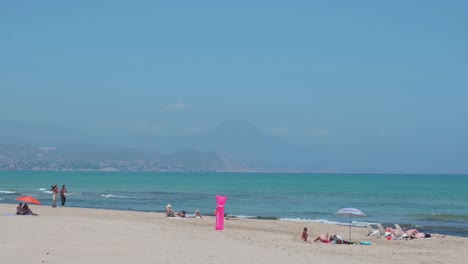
point(77, 235)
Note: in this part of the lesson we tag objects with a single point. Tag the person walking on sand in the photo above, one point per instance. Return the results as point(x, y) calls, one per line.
point(63, 195)
point(55, 192)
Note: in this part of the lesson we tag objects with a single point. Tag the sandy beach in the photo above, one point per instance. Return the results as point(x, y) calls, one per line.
point(78, 235)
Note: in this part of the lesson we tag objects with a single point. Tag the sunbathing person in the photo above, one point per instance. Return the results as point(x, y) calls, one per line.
point(336, 239)
point(322, 238)
point(27, 211)
point(195, 215)
point(182, 214)
point(19, 209)
point(415, 234)
point(169, 212)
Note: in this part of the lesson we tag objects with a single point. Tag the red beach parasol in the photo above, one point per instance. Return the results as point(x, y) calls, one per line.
point(28, 199)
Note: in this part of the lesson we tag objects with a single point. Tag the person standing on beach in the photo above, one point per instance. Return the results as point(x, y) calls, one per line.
point(63, 194)
point(55, 192)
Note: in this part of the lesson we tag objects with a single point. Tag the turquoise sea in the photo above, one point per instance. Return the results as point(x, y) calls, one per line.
point(431, 203)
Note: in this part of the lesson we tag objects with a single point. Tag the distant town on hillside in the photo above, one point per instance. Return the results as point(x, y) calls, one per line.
point(94, 158)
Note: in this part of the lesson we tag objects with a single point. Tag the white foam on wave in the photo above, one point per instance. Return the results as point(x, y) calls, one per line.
point(7, 192)
point(42, 189)
point(356, 223)
point(121, 196)
point(243, 216)
point(47, 191)
point(323, 221)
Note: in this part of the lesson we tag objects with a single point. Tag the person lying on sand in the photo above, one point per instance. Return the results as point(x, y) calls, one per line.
point(415, 234)
point(335, 239)
point(195, 215)
point(322, 238)
point(182, 214)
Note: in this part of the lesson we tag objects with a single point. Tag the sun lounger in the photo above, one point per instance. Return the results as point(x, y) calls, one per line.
point(382, 232)
point(400, 233)
point(372, 231)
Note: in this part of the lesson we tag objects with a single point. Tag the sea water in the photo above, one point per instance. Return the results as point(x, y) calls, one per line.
point(430, 203)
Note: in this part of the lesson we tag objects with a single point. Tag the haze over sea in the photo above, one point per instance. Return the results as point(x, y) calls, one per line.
point(431, 203)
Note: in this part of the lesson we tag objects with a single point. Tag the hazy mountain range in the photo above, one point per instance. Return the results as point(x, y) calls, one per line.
point(234, 145)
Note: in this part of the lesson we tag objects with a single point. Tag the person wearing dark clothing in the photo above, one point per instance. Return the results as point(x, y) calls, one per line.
point(63, 194)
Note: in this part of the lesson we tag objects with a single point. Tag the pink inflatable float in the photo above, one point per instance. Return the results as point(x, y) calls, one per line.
point(220, 201)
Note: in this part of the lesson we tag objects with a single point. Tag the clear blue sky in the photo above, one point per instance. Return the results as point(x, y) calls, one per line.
point(368, 83)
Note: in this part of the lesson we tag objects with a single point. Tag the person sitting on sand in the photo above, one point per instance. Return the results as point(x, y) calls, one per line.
point(415, 234)
point(169, 212)
point(27, 211)
point(304, 234)
point(19, 209)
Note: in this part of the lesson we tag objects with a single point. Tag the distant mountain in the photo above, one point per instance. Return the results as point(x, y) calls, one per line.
point(196, 160)
point(235, 145)
point(241, 140)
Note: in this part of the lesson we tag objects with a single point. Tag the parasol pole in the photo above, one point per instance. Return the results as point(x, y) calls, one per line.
point(349, 228)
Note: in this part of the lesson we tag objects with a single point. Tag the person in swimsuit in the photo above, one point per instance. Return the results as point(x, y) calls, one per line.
point(54, 191)
point(415, 234)
point(19, 209)
point(196, 214)
point(304, 234)
point(322, 238)
point(182, 214)
point(169, 212)
point(27, 211)
point(63, 194)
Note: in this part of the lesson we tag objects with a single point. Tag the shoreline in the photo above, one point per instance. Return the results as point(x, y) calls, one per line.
point(260, 218)
point(84, 235)
point(312, 173)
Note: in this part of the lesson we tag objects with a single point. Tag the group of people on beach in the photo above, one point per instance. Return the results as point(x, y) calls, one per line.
point(55, 191)
point(411, 233)
point(336, 239)
point(23, 209)
point(333, 239)
point(182, 214)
